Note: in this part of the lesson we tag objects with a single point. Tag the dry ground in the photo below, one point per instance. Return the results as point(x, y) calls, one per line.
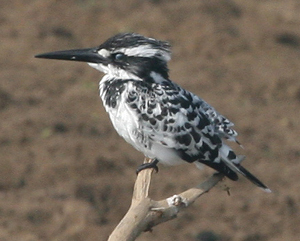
point(66, 175)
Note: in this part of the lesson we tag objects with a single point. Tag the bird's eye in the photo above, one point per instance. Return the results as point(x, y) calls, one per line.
point(119, 56)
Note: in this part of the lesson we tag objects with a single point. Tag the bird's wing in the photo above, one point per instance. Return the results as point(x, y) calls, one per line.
point(175, 118)
point(222, 125)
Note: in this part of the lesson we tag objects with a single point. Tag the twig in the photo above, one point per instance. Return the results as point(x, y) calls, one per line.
point(145, 213)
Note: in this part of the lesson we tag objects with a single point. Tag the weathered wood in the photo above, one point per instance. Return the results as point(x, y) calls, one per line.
point(145, 213)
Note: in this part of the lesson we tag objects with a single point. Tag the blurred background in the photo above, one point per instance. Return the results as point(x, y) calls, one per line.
point(64, 172)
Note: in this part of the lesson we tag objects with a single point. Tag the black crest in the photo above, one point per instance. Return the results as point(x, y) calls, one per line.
point(129, 40)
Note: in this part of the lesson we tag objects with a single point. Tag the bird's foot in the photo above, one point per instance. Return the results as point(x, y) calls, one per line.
point(152, 164)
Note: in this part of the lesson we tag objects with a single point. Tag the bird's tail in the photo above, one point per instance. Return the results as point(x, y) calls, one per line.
point(252, 178)
point(234, 163)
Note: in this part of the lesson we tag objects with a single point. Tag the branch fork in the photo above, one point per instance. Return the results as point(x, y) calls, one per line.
point(145, 213)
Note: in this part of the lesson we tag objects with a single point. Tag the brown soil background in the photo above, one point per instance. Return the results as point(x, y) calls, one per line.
point(66, 175)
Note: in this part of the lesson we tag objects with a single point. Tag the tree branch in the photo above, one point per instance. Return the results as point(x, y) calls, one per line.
point(145, 213)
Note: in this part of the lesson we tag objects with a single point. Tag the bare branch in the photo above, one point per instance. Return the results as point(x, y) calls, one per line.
point(145, 213)
point(142, 184)
point(133, 222)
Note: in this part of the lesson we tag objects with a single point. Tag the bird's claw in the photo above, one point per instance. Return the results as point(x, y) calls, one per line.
point(147, 165)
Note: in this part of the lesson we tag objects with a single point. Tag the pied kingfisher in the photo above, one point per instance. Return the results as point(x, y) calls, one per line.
point(158, 117)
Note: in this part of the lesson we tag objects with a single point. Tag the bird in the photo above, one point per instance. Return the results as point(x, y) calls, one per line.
point(168, 124)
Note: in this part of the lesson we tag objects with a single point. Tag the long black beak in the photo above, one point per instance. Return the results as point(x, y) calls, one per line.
point(89, 55)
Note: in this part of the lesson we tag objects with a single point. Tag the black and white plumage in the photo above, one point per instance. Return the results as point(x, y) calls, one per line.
point(159, 118)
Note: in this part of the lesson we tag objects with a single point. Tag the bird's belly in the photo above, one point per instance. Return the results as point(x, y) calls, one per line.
point(165, 155)
point(124, 122)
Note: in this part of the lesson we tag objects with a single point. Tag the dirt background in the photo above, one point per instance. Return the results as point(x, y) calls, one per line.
point(66, 175)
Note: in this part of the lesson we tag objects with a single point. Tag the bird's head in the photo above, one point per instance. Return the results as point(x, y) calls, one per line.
point(127, 55)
